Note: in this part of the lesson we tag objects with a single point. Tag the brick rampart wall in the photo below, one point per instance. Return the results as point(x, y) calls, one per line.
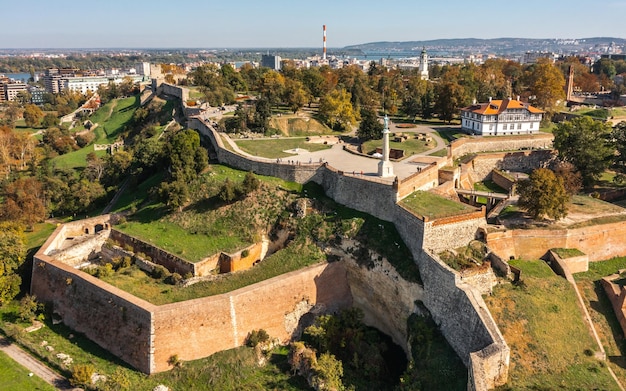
point(425, 179)
point(114, 319)
point(200, 327)
point(600, 242)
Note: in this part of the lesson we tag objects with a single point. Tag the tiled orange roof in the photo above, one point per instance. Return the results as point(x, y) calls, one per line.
point(496, 107)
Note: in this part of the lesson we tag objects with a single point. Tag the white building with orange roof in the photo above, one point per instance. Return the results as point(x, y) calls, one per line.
point(501, 117)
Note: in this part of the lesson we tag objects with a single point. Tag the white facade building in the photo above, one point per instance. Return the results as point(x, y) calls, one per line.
point(83, 84)
point(501, 117)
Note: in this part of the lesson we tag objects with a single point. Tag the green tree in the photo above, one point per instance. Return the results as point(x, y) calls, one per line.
point(413, 99)
point(49, 120)
point(272, 87)
point(328, 373)
point(336, 110)
point(619, 135)
point(295, 96)
point(450, 97)
point(543, 194)
point(12, 255)
point(370, 127)
point(587, 144)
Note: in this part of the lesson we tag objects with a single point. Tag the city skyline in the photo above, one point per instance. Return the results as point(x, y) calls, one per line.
point(278, 23)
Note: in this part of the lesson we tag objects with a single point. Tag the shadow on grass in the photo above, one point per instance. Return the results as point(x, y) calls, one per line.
point(603, 306)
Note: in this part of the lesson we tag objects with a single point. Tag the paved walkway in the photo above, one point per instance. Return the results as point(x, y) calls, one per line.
point(35, 366)
point(356, 164)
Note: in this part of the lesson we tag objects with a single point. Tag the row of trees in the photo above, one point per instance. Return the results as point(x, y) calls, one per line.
point(343, 93)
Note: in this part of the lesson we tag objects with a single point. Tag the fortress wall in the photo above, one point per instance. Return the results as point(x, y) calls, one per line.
point(200, 327)
point(501, 180)
point(453, 231)
point(159, 256)
point(600, 242)
point(385, 298)
point(522, 161)
point(115, 320)
point(76, 255)
point(465, 321)
point(423, 180)
point(176, 91)
point(371, 196)
point(466, 145)
point(234, 262)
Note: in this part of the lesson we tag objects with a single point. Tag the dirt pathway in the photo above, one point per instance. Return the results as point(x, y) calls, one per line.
point(35, 366)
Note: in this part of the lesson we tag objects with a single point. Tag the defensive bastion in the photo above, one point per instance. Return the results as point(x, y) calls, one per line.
point(146, 335)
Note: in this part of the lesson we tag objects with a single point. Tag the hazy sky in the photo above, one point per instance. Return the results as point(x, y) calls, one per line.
point(282, 23)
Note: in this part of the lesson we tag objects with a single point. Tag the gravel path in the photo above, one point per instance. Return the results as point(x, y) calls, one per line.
point(35, 366)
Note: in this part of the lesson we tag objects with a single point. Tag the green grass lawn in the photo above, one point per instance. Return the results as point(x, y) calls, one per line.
point(39, 234)
point(450, 134)
point(138, 283)
point(489, 186)
point(411, 146)
point(440, 153)
point(273, 148)
point(551, 347)
point(14, 377)
point(434, 206)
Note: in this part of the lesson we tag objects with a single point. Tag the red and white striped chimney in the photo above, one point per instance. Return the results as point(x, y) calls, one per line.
point(324, 55)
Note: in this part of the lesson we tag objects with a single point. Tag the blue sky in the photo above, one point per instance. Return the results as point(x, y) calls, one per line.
point(281, 23)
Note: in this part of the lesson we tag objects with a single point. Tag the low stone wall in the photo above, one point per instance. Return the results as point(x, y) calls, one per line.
point(481, 278)
point(578, 264)
point(466, 145)
point(617, 296)
point(159, 256)
point(502, 180)
point(453, 231)
point(600, 242)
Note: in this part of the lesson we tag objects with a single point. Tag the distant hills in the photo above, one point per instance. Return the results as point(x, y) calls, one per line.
point(491, 46)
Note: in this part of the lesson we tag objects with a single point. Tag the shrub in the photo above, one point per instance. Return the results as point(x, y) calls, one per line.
point(160, 271)
point(175, 361)
point(173, 279)
point(104, 271)
point(256, 337)
point(81, 375)
point(84, 139)
point(28, 308)
point(245, 253)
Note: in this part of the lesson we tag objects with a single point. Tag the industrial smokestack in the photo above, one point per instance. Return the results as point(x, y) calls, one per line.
point(324, 52)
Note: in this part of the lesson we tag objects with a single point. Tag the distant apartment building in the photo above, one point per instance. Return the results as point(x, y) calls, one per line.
point(533, 57)
point(501, 117)
point(57, 80)
point(270, 61)
point(36, 95)
point(12, 90)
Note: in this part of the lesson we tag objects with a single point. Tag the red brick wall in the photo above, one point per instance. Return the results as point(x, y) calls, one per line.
point(201, 327)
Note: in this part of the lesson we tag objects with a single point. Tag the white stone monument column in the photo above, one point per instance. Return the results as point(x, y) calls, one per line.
point(385, 168)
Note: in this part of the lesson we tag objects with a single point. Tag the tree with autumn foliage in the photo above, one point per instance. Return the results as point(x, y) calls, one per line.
point(13, 254)
point(336, 110)
point(547, 85)
point(23, 202)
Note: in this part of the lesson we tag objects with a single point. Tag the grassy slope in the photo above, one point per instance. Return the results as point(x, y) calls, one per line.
point(14, 377)
point(551, 348)
point(107, 131)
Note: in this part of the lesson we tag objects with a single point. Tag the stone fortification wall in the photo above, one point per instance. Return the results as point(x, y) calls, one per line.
point(466, 145)
point(115, 320)
point(617, 296)
point(427, 178)
point(83, 251)
point(522, 161)
point(175, 91)
point(600, 242)
point(502, 180)
point(377, 198)
point(200, 327)
point(385, 298)
point(464, 319)
point(159, 256)
point(234, 262)
point(289, 172)
point(453, 231)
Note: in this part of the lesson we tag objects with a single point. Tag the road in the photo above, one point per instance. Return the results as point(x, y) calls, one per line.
point(35, 366)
